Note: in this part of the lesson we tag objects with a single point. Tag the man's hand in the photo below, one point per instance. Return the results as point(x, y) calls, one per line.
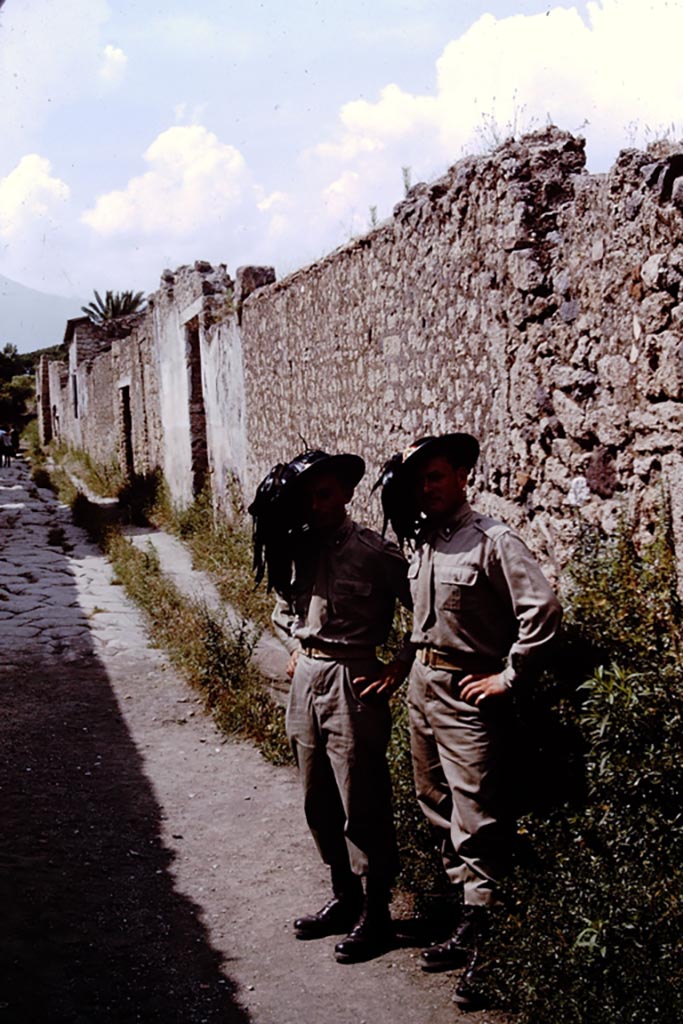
point(388, 681)
point(476, 688)
point(291, 666)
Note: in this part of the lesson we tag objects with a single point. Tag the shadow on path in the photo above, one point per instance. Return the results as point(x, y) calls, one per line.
point(93, 928)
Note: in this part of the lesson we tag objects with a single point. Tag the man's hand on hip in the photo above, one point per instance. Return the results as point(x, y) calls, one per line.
point(388, 681)
point(476, 688)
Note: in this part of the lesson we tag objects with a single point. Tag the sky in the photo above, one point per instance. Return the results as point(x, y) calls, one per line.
point(138, 135)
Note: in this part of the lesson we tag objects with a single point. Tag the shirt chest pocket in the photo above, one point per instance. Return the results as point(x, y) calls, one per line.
point(455, 586)
point(350, 589)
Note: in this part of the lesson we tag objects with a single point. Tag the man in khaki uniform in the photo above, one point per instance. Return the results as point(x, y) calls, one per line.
point(484, 615)
point(339, 608)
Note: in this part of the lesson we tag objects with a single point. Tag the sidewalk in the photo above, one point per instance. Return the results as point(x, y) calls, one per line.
point(270, 655)
point(151, 868)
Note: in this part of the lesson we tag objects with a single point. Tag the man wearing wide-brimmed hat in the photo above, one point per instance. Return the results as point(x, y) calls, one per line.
point(337, 586)
point(484, 616)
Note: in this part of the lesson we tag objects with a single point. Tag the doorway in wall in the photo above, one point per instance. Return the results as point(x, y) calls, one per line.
point(127, 427)
point(199, 447)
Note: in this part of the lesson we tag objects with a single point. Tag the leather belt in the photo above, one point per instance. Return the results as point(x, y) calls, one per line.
point(434, 657)
point(340, 653)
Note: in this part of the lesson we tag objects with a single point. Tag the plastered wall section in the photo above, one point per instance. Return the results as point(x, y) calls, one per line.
point(518, 298)
point(223, 382)
point(192, 301)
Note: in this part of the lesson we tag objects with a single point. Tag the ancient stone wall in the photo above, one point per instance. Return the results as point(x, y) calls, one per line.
point(518, 297)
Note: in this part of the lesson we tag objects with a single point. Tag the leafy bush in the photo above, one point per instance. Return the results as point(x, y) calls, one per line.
point(596, 932)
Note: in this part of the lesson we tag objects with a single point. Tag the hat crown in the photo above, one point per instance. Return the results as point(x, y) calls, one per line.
point(462, 446)
point(311, 457)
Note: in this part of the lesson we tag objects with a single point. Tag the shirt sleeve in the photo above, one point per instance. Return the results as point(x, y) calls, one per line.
point(283, 620)
point(400, 585)
point(397, 571)
point(538, 613)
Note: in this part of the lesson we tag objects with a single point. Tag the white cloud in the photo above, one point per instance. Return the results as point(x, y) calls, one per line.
point(182, 113)
point(396, 114)
point(620, 65)
point(343, 194)
point(30, 197)
point(194, 180)
point(594, 75)
point(36, 239)
point(273, 201)
point(192, 195)
point(113, 66)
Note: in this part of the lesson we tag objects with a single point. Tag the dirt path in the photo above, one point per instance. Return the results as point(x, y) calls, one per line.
point(149, 869)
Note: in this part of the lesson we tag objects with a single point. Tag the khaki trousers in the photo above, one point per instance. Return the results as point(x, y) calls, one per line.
point(459, 756)
point(340, 744)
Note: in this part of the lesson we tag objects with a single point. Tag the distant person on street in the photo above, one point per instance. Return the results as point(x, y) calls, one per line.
point(337, 584)
point(484, 617)
point(5, 446)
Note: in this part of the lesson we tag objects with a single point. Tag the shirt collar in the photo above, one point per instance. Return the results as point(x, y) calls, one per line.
point(460, 517)
point(337, 538)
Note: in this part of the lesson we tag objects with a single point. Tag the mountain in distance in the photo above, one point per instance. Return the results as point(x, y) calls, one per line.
point(31, 319)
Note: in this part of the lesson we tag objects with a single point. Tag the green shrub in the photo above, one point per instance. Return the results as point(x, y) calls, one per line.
point(596, 932)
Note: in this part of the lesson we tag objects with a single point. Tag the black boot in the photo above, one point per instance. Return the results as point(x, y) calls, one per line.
point(454, 952)
point(373, 932)
point(338, 914)
point(470, 993)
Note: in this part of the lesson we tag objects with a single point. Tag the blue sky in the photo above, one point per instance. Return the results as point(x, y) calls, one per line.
point(142, 135)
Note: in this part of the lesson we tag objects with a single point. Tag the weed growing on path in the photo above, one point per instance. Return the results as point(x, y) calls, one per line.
point(221, 545)
point(213, 655)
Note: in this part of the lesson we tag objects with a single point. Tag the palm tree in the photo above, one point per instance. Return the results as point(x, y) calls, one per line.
point(115, 304)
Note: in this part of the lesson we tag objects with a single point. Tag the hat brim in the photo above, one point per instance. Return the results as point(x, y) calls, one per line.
point(462, 449)
point(346, 467)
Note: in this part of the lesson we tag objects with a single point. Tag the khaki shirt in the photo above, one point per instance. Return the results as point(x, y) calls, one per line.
point(345, 590)
point(479, 594)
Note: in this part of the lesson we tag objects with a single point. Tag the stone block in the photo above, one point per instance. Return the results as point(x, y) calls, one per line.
point(668, 378)
point(601, 472)
point(655, 312)
point(615, 372)
point(569, 310)
point(524, 270)
point(652, 271)
point(570, 414)
point(248, 279)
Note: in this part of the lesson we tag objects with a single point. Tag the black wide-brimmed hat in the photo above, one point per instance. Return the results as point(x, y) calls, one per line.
point(462, 449)
point(346, 467)
point(277, 511)
point(397, 479)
